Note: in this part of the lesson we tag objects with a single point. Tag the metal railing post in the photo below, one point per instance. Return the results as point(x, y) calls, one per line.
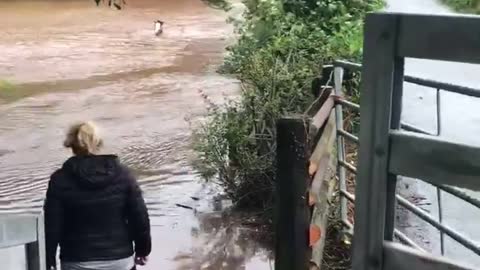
point(338, 85)
point(35, 251)
point(439, 192)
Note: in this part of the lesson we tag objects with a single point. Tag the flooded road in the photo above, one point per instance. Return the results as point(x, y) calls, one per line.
point(460, 120)
point(70, 61)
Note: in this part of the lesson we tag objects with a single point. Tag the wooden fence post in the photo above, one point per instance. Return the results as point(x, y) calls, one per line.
point(292, 211)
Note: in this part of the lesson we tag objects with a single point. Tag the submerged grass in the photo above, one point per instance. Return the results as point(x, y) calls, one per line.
point(7, 90)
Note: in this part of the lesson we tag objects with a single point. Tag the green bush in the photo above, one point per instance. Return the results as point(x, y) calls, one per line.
point(467, 6)
point(281, 47)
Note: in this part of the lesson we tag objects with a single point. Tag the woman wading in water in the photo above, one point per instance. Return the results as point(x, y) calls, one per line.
point(94, 209)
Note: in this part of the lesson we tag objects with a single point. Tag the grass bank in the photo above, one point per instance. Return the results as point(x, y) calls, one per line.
point(464, 6)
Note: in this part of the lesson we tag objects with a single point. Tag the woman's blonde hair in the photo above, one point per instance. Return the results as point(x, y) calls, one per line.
point(83, 139)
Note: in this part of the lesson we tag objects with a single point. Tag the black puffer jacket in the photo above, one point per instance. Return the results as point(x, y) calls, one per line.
point(95, 211)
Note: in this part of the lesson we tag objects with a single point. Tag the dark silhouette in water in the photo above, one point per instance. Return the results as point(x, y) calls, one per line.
point(158, 27)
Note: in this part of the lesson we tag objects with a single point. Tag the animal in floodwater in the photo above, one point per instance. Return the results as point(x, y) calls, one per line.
point(158, 26)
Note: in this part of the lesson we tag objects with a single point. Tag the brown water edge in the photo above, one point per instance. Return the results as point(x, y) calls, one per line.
point(187, 61)
point(223, 239)
point(93, 63)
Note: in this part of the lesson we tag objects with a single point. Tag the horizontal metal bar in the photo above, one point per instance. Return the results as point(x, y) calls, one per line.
point(348, 65)
point(412, 128)
point(399, 257)
point(444, 228)
point(347, 103)
point(348, 136)
point(349, 226)
point(347, 195)
point(434, 160)
point(459, 194)
point(348, 166)
point(405, 126)
point(416, 39)
point(402, 202)
point(407, 241)
point(464, 90)
point(17, 230)
point(402, 237)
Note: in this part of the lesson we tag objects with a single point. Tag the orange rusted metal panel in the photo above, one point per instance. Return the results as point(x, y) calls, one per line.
point(315, 234)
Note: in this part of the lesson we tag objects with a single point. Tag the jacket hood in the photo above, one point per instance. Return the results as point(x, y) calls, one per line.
point(93, 171)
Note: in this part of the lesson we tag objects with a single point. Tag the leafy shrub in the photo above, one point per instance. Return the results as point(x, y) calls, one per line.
point(281, 47)
point(468, 6)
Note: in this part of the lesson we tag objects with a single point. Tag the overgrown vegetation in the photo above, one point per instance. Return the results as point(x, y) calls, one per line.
point(281, 47)
point(118, 4)
point(466, 6)
point(337, 254)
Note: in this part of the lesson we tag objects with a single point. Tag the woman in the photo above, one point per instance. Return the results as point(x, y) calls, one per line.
point(94, 209)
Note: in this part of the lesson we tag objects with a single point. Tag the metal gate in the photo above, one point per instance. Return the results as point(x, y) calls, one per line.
point(387, 151)
point(27, 231)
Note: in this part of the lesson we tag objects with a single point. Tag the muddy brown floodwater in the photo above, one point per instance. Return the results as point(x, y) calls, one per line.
point(71, 61)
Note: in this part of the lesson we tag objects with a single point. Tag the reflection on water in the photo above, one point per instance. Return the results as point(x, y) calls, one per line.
point(94, 63)
point(223, 240)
